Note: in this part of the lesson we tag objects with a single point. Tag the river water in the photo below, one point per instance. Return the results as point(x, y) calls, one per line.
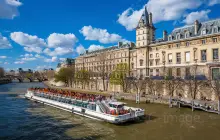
point(21, 119)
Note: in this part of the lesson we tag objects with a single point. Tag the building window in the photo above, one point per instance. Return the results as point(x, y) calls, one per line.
point(178, 36)
point(143, 43)
point(214, 40)
point(215, 73)
point(170, 72)
point(157, 62)
point(141, 62)
point(170, 58)
point(151, 63)
point(151, 55)
point(203, 41)
point(215, 54)
point(187, 72)
point(203, 55)
point(141, 73)
point(187, 56)
point(132, 65)
point(157, 72)
point(151, 72)
point(169, 46)
point(157, 55)
point(177, 45)
point(215, 30)
point(178, 72)
point(187, 35)
point(178, 58)
point(187, 44)
point(170, 38)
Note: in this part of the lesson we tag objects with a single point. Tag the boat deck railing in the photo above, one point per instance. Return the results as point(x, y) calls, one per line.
point(79, 103)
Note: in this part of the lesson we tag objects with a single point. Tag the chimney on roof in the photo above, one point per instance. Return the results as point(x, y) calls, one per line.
point(165, 36)
point(196, 27)
point(150, 19)
point(120, 44)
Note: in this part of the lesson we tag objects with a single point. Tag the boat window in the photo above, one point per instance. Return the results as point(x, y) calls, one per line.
point(120, 106)
point(113, 106)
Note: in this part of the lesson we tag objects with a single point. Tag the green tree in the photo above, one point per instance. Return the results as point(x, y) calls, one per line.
point(82, 77)
point(119, 76)
point(65, 75)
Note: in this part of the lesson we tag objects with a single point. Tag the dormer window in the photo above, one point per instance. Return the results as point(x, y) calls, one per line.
point(178, 36)
point(170, 38)
point(215, 30)
point(204, 32)
point(187, 35)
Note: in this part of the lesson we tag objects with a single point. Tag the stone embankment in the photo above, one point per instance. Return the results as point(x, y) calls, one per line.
point(4, 81)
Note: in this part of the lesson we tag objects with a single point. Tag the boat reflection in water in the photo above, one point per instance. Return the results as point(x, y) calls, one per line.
point(88, 105)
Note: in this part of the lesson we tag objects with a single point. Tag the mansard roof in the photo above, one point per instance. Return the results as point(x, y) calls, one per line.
point(210, 27)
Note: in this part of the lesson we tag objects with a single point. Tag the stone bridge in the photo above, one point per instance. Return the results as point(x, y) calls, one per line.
point(22, 78)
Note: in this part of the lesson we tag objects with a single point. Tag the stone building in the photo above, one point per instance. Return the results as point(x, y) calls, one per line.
point(175, 54)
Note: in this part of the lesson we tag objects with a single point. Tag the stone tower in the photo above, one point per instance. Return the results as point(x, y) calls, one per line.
point(145, 33)
point(145, 30)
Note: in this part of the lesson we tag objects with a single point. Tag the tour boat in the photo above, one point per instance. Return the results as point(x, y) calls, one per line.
point(91, 106)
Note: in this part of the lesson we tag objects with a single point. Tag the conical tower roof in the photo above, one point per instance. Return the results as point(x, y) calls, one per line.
point(145, 17)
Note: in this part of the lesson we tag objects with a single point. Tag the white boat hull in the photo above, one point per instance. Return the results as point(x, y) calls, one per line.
point(84, 111)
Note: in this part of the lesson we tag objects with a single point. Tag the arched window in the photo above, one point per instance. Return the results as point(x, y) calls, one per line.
point(178, 36)
point(204, 32)
point(187, 34)
point(170, 38)
point(215, 29)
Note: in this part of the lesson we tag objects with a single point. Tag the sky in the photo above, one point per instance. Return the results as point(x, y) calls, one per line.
point(38, 34)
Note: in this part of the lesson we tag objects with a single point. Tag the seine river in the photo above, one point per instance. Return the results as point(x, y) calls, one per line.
point(21, 119)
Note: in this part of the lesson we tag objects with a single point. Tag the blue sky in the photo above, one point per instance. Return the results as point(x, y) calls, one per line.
point(38, 34)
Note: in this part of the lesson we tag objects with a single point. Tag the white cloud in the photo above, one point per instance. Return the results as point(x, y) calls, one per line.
point(38, 56)
point(58, 51)
point(162, 10)
point(60, 44)
point(28, 59)
point(130, 18)
point(19, 62)
point(62, 59)
point(28, 55)
point(201, 16)
point(53, 59)
point(30, 43)
point(61, 40)
point(6, 63)
point(95, 48)
point(213, 2)
point(9, 8)
point(80, 49)
point(100, 35)
point(4, 43)
point(3, 57)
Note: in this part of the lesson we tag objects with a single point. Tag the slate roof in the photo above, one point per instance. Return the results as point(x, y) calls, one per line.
point(208, 26)
point(119, 46)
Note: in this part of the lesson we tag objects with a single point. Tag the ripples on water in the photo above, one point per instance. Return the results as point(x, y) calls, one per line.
point(21, 119)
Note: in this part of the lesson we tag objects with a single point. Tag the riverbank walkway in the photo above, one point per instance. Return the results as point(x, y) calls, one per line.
point(207, 106)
